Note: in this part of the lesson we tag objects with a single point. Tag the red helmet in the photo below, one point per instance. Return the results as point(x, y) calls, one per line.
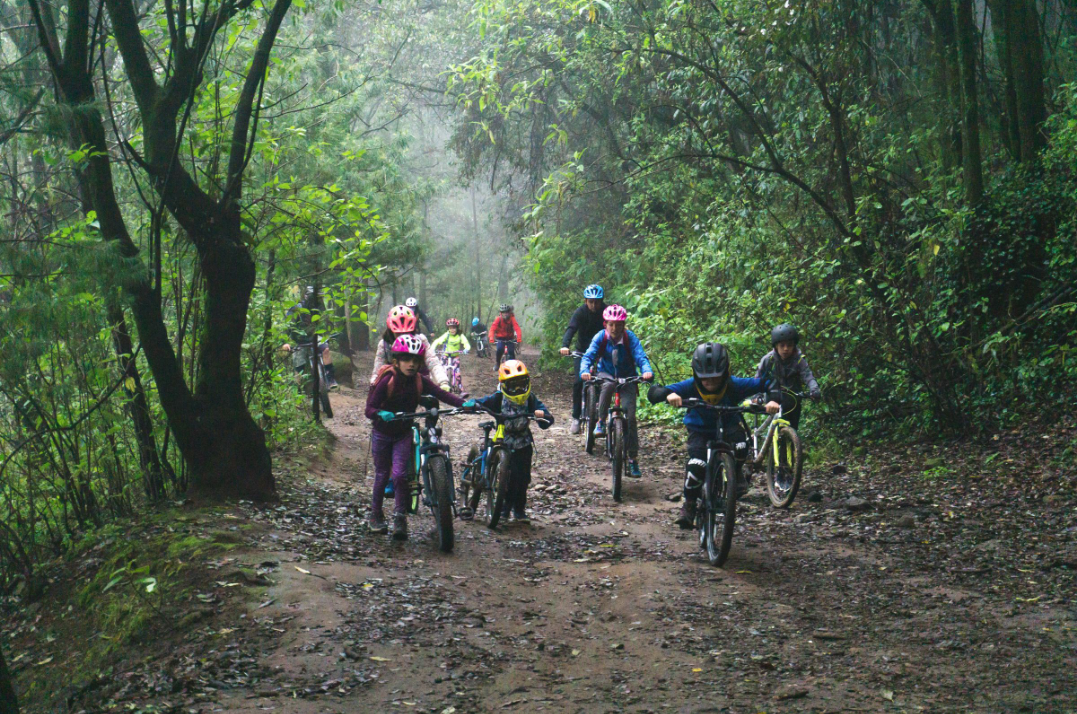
point(452, 322)
point(614, 313)
point(409, 345)
point(401, 319)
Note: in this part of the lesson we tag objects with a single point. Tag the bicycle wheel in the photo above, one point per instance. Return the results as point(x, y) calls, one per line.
point(720, 503)
point(783, 478)
point(617, 454)
point(471, 474)
point(589, 415)
point(441, 501)
point(501, 488)
point(489, 484)
point(327, 409)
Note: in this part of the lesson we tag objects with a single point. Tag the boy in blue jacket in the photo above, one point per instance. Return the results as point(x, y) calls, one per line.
point(514, 397)
point(712, 383)
point(618, 353)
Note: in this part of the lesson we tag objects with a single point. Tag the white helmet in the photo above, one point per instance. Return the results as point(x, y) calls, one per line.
point(412, 303)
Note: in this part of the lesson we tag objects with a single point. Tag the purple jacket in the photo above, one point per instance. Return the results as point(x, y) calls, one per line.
point(405, 398)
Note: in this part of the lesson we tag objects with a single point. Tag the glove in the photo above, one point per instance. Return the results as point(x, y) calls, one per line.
point(386, 416)
point(469, 404)
point(444, 387)
point(815, 395)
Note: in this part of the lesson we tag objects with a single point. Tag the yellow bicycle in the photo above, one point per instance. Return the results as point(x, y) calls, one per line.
point(775, 447)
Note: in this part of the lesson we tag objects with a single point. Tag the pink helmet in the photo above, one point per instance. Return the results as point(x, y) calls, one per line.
point(409, 345)
point(614, 313)
point(452, 322)
point(401, 319)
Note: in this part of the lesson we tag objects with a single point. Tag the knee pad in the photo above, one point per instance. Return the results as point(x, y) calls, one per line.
point(694, 473)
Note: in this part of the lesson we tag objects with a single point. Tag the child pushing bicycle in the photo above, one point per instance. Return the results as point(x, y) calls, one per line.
point(514, 397)
point(712, 383)
point(397, 388)
point(786, 368)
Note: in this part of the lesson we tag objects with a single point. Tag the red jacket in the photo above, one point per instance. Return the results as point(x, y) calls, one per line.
point(503, 329)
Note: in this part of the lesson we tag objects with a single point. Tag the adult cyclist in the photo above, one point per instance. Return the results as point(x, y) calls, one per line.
point(505, 329)
point(300, 314)
point(413, 303)
point(585, 323)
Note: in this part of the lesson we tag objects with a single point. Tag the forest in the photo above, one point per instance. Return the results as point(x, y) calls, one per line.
point(187, 186)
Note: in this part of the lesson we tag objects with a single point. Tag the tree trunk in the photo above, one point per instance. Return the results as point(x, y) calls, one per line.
point(1010, 133)
point(1026, 52)
point(9, 703)
point(137, 406)
point(970, 105)
point(947, 80)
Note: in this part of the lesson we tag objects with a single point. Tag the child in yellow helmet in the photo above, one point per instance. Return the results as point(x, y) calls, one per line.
point(514, 397)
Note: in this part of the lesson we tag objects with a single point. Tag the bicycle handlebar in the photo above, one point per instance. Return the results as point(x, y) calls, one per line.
point(692, 403)
point(499, 416)
point(574, 354)
point(434, 411)
point(619, 380)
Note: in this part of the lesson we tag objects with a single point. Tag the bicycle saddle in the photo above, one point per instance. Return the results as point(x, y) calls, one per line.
point(487, 425)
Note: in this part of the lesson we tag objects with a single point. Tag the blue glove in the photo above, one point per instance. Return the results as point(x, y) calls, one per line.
point(386, 416)
point(469, 404)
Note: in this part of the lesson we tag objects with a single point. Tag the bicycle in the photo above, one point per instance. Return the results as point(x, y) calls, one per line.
point(510, 350)
point(451, 360)
point(717, 511)
point(488, 465)
point(780, 454)
point(432, 469)
point(616, 446)
point(587, 418)
point(480, 344)
point(315, 368)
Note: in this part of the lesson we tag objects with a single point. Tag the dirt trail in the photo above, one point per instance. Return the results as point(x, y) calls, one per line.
point(600, 606)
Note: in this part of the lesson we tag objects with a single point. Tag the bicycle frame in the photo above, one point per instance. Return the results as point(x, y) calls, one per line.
point(767, 429)
point(426, 440)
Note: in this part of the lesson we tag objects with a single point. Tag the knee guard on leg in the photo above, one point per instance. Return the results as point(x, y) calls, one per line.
point(693, 477)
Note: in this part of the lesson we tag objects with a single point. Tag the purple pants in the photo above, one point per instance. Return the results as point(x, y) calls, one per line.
point(392, 456)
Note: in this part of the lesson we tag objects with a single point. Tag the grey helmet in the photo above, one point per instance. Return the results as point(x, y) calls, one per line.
point(784, 333)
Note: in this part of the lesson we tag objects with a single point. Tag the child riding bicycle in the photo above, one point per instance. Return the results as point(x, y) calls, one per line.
point(402, 321)
point(584, 324)
point(786, 368)
point(711, 382)
point(514, 397)
point(397, 388)
point(505, 330)
point(618, 353)
point(452, 343)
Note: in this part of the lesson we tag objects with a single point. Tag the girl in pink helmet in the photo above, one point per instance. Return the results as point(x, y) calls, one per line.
point(397, 388)
point(402, 321)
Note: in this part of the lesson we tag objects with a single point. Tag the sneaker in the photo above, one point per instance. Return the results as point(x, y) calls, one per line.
point(333, 385)
point(575, 427)
point(390, 490)
point(687, 517)
point(600, 428)
point(633, 470)
point(465, 513)
point(400, 526)
point(376, 523)
point(521, 517)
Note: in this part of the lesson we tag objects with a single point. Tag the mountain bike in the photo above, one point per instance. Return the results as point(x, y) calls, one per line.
point(431, 469)
point(480, 343)
point(616, 424)
point(776, 447)
point(314, 375)
point(451, 360)
point(510, 350)
point(717, 510)
point(487, 469)
point(587, 417)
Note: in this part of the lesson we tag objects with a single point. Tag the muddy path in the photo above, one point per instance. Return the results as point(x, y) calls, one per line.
point(881, 603)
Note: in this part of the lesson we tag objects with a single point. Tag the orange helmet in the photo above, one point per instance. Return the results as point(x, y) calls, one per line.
point(514, 381)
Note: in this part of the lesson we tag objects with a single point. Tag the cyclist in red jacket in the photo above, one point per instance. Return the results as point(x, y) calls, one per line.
point(507, 332)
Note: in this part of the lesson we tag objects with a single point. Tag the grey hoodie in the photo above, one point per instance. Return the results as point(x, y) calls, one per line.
point(793, 374)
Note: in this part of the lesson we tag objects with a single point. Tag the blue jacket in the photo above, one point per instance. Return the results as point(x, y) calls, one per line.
point(626, 357)
point(706, 420)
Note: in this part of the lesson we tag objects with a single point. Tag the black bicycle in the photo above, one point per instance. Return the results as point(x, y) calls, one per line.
point(510, 350)
point(716, 511)
point(487, 470)
point(616, 426)
point(432, 469)
point(314, 375)
point(587, 416)
point(480, 343)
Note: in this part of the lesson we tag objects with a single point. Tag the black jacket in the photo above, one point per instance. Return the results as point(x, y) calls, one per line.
point(585, 325)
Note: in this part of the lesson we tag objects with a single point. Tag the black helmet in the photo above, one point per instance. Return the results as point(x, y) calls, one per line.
point(784, 333)
point(710, 360)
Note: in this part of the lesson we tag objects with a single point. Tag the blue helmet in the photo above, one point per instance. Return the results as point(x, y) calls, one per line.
point(593, 292)
point(474, 321)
